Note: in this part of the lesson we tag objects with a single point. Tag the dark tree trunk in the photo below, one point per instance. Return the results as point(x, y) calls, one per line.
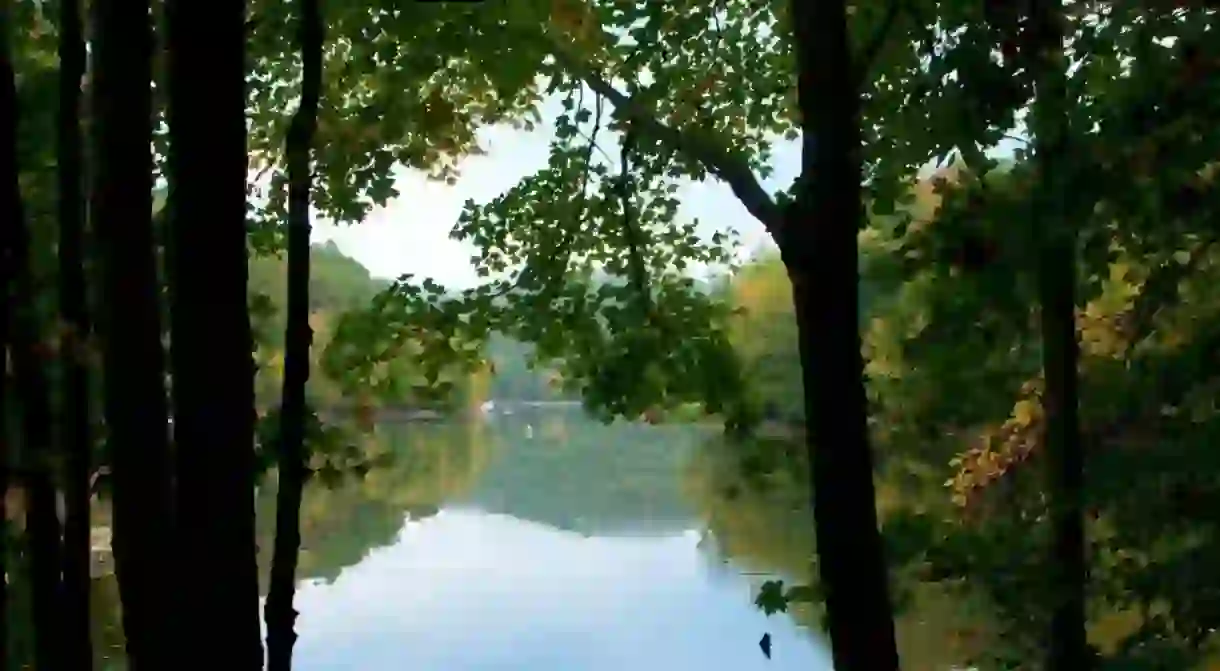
point(129, 327)
point(29, 357)
point(1068, 649)
point(10, 211)
point(820, 249)
point(76, 438)
point(210, 339)
point(280, 614)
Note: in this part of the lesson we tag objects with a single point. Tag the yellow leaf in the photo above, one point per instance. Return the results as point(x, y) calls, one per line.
point(1024, 412)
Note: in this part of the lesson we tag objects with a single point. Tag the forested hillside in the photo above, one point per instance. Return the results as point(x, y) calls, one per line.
point(764, 331)
point(338, 284)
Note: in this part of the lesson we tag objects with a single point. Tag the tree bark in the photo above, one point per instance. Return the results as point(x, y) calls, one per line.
point(76, 438)
point(210, 338)
point(820, 249)
point(130, 328)
point(1056, 234)
point(280, 614)
point(10, 211)
point(29, 356)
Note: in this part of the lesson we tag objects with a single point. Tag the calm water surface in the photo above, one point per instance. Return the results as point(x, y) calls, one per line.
point(537, 540)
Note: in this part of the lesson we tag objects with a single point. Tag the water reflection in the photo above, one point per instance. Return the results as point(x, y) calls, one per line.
point(571, 546)
point(340, 523)
point(469, 590)
point(576, 546)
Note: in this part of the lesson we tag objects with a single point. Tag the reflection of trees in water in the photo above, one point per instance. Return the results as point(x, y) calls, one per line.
point(755, 506)
point(574, 473)
point(339, 524)
point(427, 465)
point(754, 499)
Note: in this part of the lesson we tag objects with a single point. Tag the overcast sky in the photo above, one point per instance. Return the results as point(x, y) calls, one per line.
point(411, 234)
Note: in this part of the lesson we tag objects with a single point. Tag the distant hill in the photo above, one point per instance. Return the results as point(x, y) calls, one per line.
point(339, 283)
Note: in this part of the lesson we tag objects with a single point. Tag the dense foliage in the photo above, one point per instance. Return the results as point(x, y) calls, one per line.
point(1108, 199)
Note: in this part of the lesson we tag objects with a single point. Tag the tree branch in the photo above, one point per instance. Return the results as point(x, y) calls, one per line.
point(873, 49)
point(730, 170)
point(1159, 291)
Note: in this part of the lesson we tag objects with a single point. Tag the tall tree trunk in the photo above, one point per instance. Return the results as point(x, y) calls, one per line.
point(280, 614)
point(29, 357)
point(76, 438)
point(1056, 234)
point(820, 249)
point(129, 327)
point(10, 211)
point(210, 339)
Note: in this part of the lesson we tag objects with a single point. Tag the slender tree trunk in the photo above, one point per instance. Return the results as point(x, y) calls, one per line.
point(75, 428)
point(29, 356)
point(10, 211)
point(210, 339)
point(1054, 226)
point(820, 248)
point(280, 614)
point(130, 329)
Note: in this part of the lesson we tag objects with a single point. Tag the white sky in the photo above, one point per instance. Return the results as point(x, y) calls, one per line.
point(411, 233)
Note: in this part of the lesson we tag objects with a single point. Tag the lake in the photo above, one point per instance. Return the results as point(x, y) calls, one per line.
point(538, 539)
point(542, 539)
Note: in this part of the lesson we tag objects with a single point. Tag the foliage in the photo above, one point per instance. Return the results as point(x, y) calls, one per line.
point(589, 263)
point(754, 499)
point(338, 285)
point(954, 357)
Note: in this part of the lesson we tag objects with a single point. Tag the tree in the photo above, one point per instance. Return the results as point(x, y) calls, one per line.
point(1137, 256)
point(1055, 218)
point(753, 497)
point(11, 207)
point(819, 245)
point(28, 364)
point(589, 264)
point(280, 615)
point(130, 325)
point(76, 423)
point(211, 341)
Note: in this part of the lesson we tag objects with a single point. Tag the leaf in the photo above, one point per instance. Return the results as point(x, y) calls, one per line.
point(771, 598)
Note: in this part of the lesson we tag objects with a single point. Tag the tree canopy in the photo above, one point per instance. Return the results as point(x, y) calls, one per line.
point(981, 375)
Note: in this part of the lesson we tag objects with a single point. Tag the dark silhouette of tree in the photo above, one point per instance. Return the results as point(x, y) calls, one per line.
point(818, 242)
point(129, 327)
point(76, 439)
point(28, 356)
point(1054, 225)
point(280, 614)
point(10, 212)
point(210, 337)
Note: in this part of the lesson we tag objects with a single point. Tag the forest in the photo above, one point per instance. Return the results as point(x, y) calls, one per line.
point(976, 356)
point(339, 284)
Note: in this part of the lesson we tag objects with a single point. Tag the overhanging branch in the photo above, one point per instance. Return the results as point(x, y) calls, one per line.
point(721, 164)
